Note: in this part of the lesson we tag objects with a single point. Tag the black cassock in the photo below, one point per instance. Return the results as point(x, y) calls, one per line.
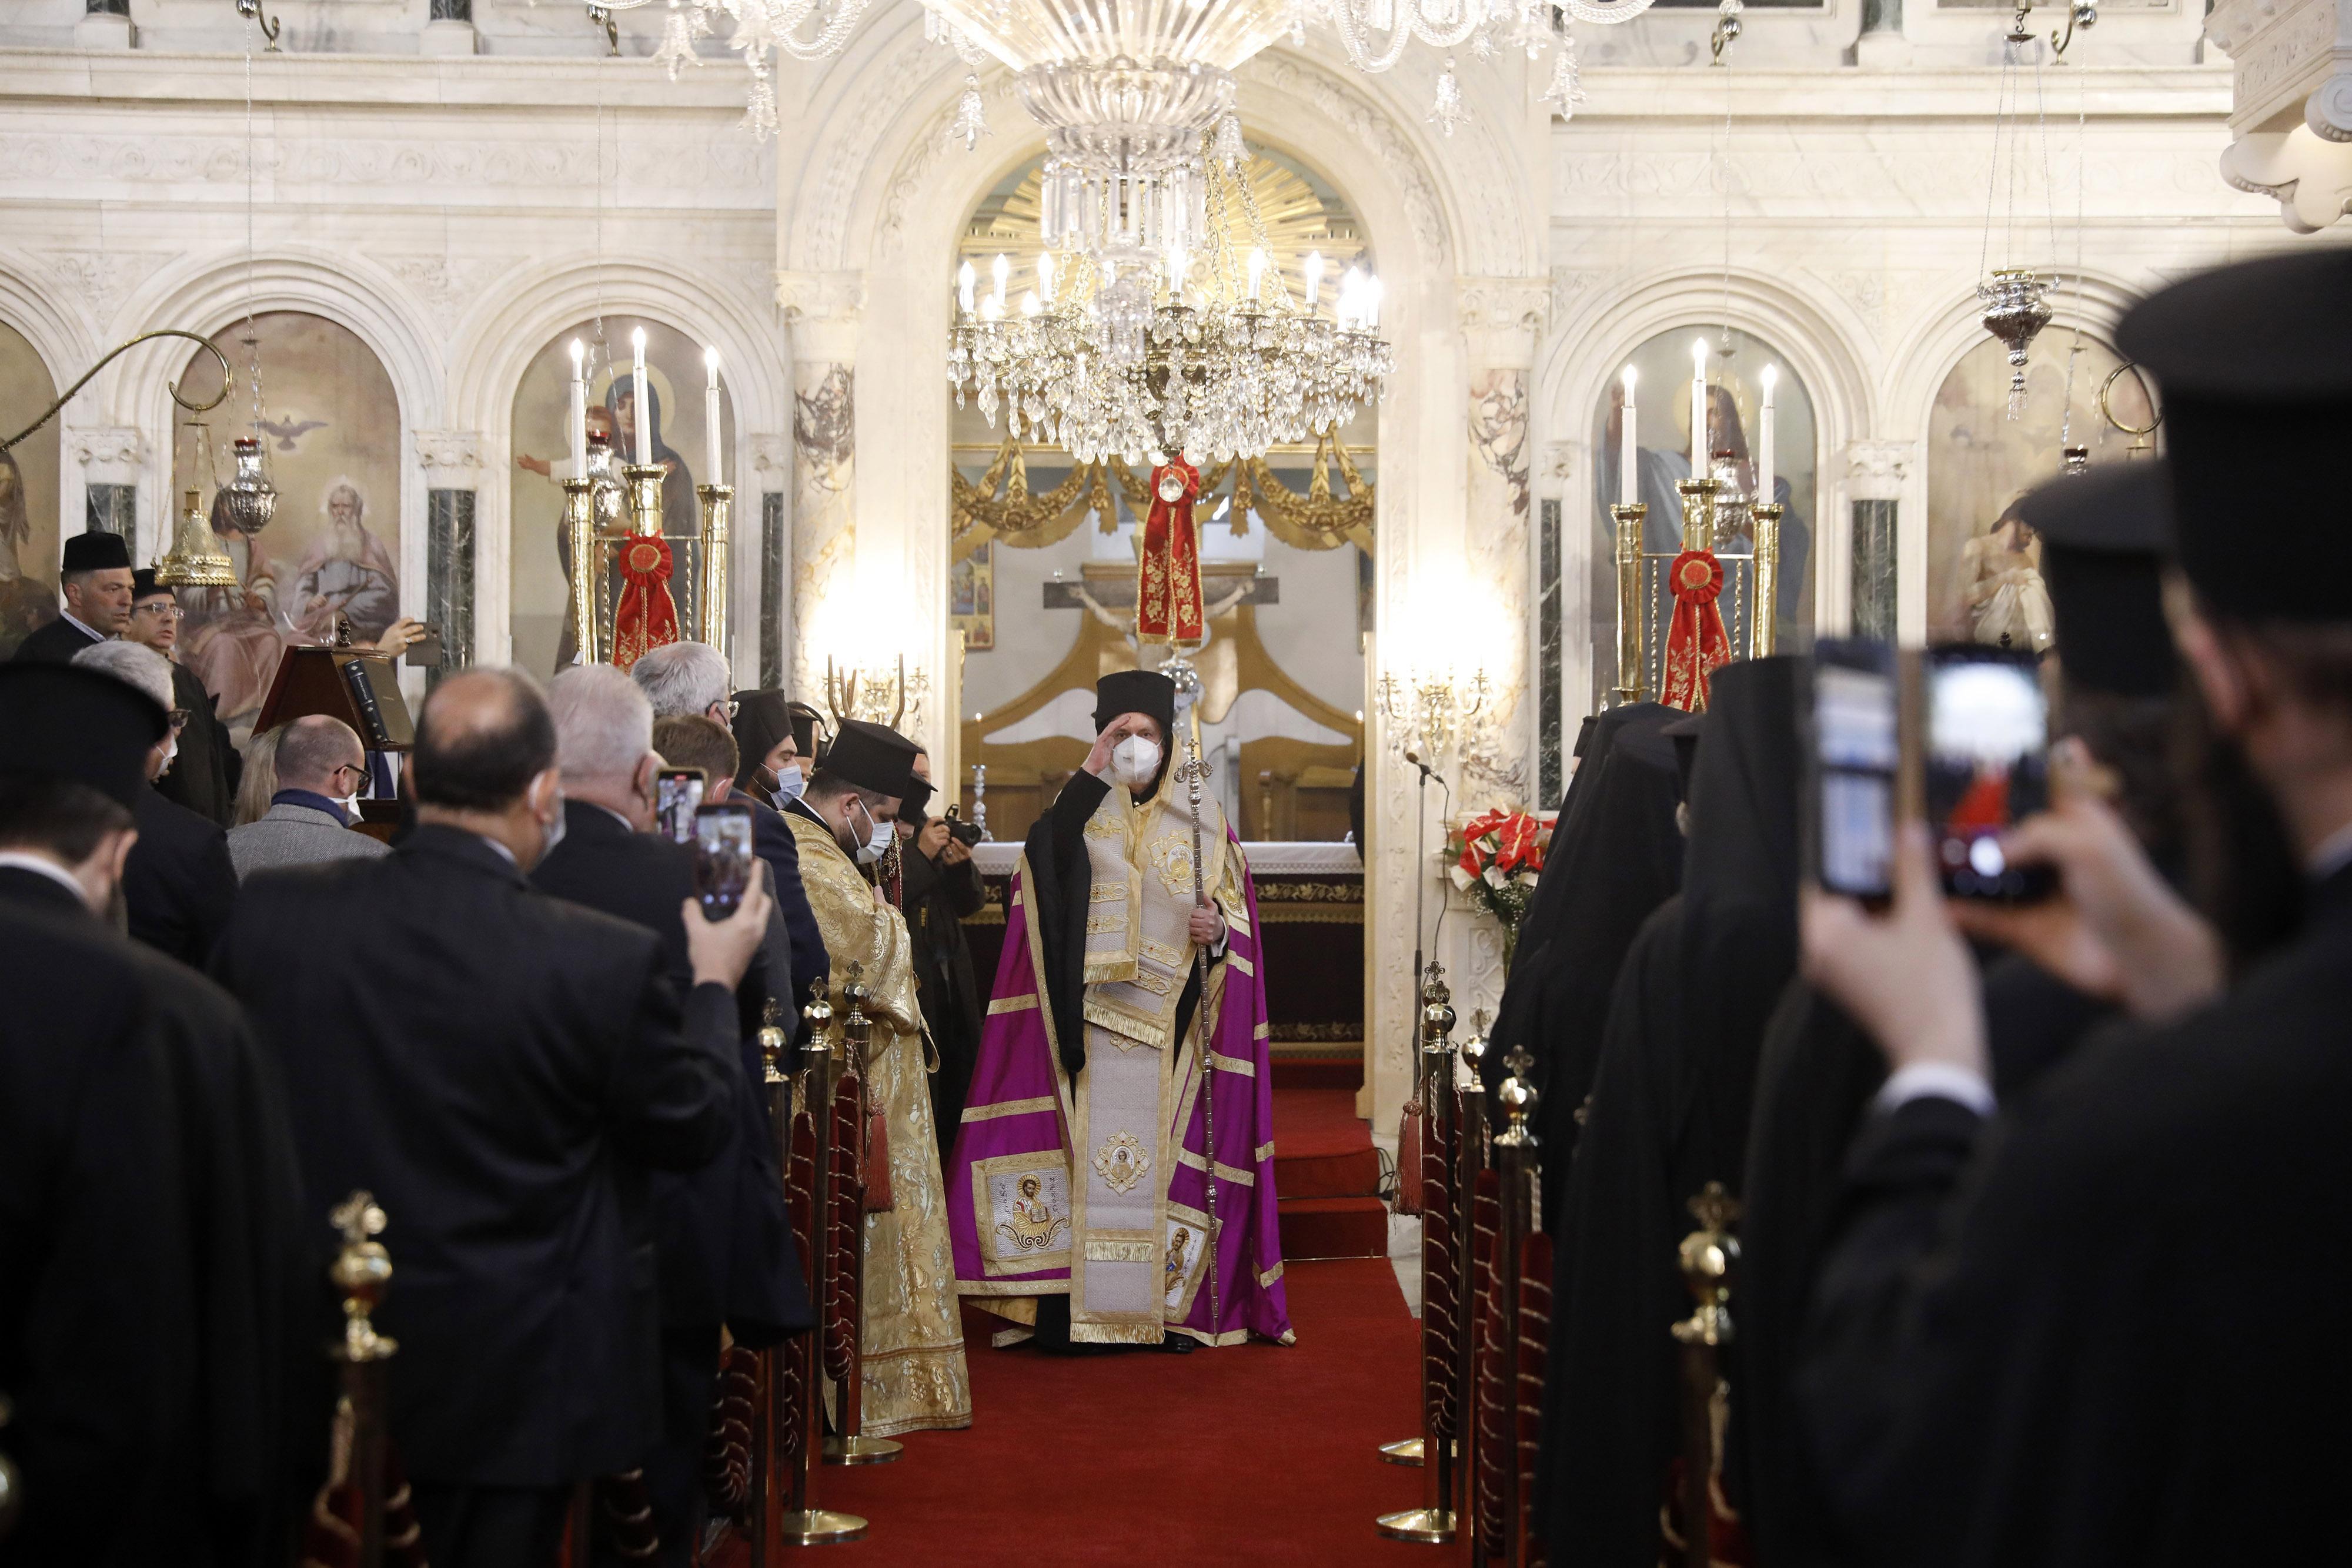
point(148, 1204)
point(937, 898)
point(2100, 1331)
point(1668, 1114)
point(1615, 855)
point(1813, 1088)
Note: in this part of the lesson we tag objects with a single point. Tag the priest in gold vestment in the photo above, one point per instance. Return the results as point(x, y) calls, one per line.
point(912, 1337)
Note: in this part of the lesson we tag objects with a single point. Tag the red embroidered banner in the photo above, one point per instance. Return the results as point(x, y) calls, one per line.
point(1167, 581)
point(647, 616)
point(1696, 645)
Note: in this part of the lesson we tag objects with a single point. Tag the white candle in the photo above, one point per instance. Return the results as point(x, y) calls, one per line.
point(1256, 271)
point(579, 409)
point(965, 281)
point(1698, 465)
point(712, 464)
point(1045, 275)
point(1629, 463)
point(1764, 438)
point(643, 451)
point(1314, 277)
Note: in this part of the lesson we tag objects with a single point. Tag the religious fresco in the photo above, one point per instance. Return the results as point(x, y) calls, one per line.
point(540, 440)
point(1983, 566)
point(971, 598)
point(330, 427)
point(1662, 418)
point(28, 494)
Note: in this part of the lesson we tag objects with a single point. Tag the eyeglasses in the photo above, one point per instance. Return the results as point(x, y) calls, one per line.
point(180, 718)
point(338, 772)
point(163, 607)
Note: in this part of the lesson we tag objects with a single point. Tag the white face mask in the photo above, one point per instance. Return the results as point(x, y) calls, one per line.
point(878, 840)
point(350, 805)
point(790, 782)
point(1134, 761)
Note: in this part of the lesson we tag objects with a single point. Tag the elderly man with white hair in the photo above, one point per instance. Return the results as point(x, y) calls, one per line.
point(179, 885)
point(691, 680)
point(720, 1232)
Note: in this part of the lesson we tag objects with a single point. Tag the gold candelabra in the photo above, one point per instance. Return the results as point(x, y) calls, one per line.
point(1703, 507)
point(1429, 712)
point(718, 511)
point(851, 691)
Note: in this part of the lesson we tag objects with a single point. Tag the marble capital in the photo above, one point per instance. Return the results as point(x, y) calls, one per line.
point(1876, 470)
point(109, 454)
point(821, 308)
point(452, 459)
point(1503, 318)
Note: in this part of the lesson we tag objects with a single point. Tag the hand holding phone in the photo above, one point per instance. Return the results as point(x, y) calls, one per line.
point(1853, 756)
point(721, 951)
point(1987, 767)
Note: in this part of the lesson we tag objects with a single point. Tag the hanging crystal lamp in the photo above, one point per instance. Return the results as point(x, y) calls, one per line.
point(248, 500)
point(195, 558)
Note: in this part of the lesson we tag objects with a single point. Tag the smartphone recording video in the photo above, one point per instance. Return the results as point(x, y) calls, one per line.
point(677, 794)
point(1987, 758)
point(1854, 753)
point(722, 857)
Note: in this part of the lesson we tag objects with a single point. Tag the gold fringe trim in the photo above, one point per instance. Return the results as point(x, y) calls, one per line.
point(1119, 1022)
point(1116, 1333)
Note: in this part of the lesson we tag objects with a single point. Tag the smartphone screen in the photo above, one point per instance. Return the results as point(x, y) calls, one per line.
point(677, 794)
point(1986, 756)
point(722, 857)
point(1854, 753)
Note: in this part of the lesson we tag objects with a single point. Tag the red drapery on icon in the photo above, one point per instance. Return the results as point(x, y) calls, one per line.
point(1696, 645)
point(647, 616)
point(1167, 581)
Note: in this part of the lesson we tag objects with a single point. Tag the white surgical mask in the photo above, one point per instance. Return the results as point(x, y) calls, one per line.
point(878, 841)
point(1134, 761)
point(790, 782)
point(350, 805)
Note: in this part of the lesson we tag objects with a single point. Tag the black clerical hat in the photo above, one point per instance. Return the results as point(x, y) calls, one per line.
point(61, 722)
point(96, 552)
point(2254, 363)
point(1686, 733)
point(805, 723)
point(2104, 542)
point(873, 757)
point(917, 796)
point(144, 585)
point(1135, 691)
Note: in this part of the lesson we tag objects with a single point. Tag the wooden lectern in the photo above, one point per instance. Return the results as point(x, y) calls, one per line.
point(360, 687)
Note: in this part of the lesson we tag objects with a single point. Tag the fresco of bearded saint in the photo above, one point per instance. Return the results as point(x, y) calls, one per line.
point(347, 572)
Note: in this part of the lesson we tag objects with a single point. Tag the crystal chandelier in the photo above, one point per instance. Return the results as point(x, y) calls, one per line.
point(1123, 353)
point(1172, 52)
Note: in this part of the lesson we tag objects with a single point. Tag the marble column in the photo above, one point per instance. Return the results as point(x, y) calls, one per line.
point(1501, 319)
point(109, 459)
point(1875, 478)
point(821, 311)
point(449, 558)
point(769, 499)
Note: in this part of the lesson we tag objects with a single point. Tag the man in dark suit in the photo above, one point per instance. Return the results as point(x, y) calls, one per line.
point(202, 777)
point(720, 1232)
point(148, 1191)
point(95, 582)
point(181, 884)
point(499, 1067)
point(697, 740)
point(2059, 1330)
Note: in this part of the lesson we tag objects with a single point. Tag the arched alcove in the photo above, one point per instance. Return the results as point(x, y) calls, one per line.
point(29, 493)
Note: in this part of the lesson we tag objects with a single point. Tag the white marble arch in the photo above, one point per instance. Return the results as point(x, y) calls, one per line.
point(1917, 366)
point(495, 344)
point(1832, 362)
point(210, 295)
point(61, 338)
point(869, 204)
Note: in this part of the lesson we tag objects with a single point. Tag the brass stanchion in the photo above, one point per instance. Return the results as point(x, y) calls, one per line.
point(1762, 614)
point(1434, 1523)
point(1473, 1183)
point(1709, 1256)
point(587, 565)
point(1515, 1166)
point(844, 1310)
point(789, 1435)
point(1407, 1450)
point(1630, 687)
point(363, 1272)
point(717, 506)
point(1698, 511)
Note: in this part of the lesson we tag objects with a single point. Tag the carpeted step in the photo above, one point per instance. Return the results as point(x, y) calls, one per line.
point(1334, 1227)
point(1352, 1173)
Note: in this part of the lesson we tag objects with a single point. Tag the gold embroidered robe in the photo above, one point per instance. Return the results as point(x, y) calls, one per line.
point(915, 1378)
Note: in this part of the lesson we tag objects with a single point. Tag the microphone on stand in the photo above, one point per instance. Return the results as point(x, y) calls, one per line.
point(1427, 772)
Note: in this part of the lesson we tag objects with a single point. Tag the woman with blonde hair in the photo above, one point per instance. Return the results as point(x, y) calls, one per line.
point(259, 781)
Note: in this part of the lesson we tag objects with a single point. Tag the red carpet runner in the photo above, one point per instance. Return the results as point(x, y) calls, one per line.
point(1328, 1177)
point(1252, 1454)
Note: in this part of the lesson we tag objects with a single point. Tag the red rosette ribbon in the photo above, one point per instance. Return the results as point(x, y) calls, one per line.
point(647, 616)
point(1167, 570)
point(1697, 643)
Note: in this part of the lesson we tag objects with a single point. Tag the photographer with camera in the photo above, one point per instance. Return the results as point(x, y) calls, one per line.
point(941, 890)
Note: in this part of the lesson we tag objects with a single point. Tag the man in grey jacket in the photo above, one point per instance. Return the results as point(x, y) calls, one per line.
point(321, 768)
